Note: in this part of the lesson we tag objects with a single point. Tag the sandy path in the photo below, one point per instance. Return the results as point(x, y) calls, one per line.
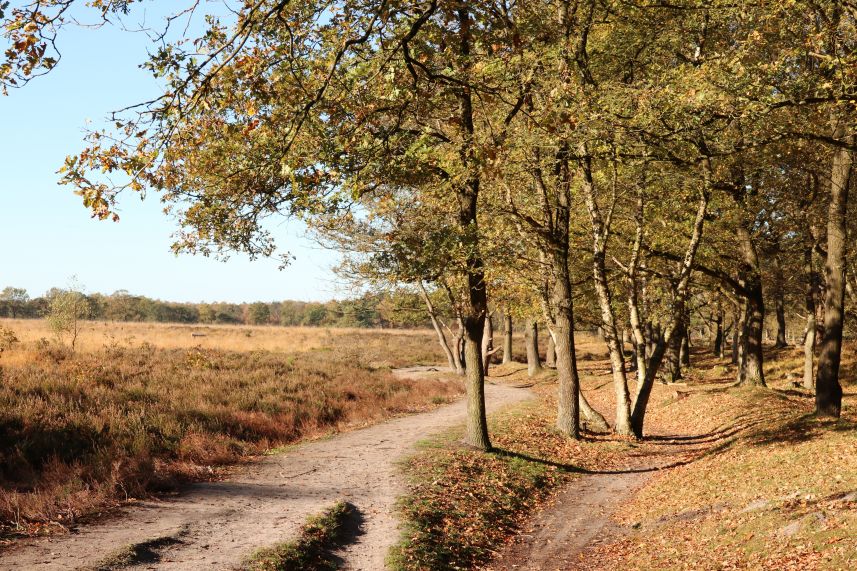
point(577, 515)
point(216, 525)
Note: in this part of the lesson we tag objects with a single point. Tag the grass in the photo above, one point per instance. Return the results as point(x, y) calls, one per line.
point(462, 503)
point(96, 334)
point(311, 551)
point(81, 432)
point(144, 553)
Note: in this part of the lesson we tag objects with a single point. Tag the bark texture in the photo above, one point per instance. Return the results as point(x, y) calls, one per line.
point(534, 363)
point(752, 371)
point(550, 352)
point(476, 431)
point(828, 391)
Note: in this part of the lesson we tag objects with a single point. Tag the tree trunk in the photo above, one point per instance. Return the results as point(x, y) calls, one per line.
point(637, 336)
point(828, 391)
point(718, 337)
point(507, 338)
point(438, 329)
point(654, 338)
point(550, 353)
point(781, 323)
point(679, 305)
point(809, 337)
point(752, 372)
point(648, 345)
point(487, 343)
point(608, 330)
point(737, 328)
point(534, 364)
point(754, 357)
point(673, 357)
point(561, 350)
point(779, 298)
point(476, 431)
point(684, 352)
point(742, 343)
point(458, 354)
point(568, 411)
point(594, 420)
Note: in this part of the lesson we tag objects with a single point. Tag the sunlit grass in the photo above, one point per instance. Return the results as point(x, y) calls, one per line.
point(81, 431)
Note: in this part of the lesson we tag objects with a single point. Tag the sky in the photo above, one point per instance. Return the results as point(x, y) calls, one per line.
point(48, 236)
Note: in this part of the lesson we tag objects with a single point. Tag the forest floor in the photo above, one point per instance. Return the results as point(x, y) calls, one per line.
point(775, 490)
point(726, 478)
point(218, 525)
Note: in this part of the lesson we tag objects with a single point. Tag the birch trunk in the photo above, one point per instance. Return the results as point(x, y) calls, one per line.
point(600, 232)
point(444, 344)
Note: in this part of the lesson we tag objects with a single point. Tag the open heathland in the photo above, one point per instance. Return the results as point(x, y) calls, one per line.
point(81, 431)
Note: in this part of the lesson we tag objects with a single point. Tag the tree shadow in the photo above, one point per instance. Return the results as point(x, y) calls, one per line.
point(352, 528)
point(799, 430)
point(571, 468)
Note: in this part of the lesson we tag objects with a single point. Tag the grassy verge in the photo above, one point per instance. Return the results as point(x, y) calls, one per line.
point(82, 431)
point(758, 483)
point(463, 505)
point(320, 535)
point(780, 494)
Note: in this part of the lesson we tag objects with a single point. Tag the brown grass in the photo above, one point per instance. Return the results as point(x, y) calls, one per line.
point(79, 432)
point(96, 334)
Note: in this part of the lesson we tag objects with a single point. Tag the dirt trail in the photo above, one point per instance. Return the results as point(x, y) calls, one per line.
point(580, 515)
point(577, 515)
point(216, 525)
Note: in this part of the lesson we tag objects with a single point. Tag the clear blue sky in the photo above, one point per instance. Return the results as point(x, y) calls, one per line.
point(48, 236)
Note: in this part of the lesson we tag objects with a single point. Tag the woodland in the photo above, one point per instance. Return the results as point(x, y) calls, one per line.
point(382, 309)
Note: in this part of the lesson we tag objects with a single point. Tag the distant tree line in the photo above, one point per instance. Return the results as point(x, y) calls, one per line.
point(399, 309)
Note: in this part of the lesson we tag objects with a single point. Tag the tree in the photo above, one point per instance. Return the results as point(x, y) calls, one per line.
point(14, 298)
point(68, 309)
point(259, 313)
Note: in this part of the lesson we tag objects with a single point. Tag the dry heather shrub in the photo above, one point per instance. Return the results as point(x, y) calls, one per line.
point(8, 338)
point(78, 431)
